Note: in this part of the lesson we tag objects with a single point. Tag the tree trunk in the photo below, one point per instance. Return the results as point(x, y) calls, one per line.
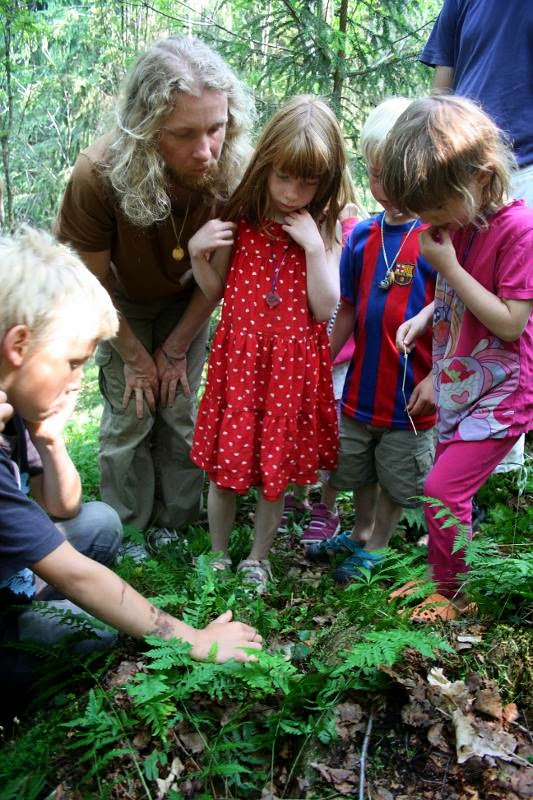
point(340, 64)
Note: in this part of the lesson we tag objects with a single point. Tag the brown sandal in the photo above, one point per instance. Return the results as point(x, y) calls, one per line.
point(437, 607)
point(407, 589)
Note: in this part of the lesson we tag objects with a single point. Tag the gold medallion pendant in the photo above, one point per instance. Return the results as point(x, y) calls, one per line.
point(178, 252)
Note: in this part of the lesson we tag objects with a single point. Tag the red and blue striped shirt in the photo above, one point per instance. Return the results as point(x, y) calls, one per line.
point(373, 388)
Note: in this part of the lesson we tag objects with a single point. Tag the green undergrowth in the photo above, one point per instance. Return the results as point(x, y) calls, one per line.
point(113, 725)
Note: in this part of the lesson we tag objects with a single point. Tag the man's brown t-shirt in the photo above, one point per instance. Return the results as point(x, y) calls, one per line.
point(91, 220)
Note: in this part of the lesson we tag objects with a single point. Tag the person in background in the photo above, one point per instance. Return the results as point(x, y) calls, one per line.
point(53, 312)
point(387, 408)
point(133, 201)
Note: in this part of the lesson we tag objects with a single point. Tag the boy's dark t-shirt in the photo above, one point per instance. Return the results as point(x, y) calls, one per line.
point(26, 533)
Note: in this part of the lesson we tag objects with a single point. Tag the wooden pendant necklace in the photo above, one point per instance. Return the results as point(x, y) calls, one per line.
point(178, 252)
point(388, 280)
point(272, 297)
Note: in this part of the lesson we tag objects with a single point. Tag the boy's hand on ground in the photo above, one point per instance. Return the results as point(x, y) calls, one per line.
point(229, 638)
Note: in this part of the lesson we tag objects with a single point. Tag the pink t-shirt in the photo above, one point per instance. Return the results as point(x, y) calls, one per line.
point(484, 386)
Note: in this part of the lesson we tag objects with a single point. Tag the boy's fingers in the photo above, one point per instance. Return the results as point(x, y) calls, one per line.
point(225, 617)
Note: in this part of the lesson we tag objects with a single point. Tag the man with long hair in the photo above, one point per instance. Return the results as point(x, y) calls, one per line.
point(134, 199)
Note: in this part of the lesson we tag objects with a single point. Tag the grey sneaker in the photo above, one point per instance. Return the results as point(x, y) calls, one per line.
point(134, 550)
point(161, 537)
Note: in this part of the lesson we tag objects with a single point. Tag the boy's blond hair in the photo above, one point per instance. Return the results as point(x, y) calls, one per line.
point(377, 125)
point(437, 148)
point(43, 282)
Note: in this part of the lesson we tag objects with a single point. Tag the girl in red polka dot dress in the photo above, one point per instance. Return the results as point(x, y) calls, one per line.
point(268, 417)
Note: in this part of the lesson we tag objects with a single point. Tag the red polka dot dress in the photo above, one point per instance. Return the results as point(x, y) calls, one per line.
point(267, 417)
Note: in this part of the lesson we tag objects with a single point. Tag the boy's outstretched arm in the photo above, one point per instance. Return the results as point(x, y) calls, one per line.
point(101, 592)
point(412, 328)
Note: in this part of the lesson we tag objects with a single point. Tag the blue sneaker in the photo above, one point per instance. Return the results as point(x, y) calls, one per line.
point(325, 550)
point(350, 569)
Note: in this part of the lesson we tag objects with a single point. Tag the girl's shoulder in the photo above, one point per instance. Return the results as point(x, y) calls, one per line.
point(512, 220)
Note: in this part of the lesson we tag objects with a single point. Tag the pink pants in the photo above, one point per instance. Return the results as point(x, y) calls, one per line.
point(460, 469)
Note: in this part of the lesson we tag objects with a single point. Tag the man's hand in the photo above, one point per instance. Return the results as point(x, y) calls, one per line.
point(6, 410)
point(422, 400)
point(171, 371)
point(141, 378)
point(229, 639)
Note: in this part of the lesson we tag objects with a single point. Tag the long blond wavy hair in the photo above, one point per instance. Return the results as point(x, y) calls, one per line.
point(134, 167)
point(304, 140)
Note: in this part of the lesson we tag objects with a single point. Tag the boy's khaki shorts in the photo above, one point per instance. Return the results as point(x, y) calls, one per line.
point(398, 460)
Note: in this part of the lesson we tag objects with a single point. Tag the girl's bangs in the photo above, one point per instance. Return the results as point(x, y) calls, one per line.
point(303, 157)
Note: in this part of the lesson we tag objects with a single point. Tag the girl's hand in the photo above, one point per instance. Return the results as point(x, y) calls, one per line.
point(301, 227)
point(214, 234)
point(437, 248)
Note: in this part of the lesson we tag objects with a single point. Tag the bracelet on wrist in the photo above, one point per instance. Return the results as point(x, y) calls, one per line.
point(172, 359)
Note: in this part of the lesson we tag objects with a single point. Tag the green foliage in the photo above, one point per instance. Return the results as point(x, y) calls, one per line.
point(500, 566)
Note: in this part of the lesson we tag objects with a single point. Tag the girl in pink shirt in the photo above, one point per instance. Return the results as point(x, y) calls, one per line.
point(446, 161)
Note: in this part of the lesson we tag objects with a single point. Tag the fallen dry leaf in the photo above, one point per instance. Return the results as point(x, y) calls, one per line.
point(164, 785)
point(474, 737)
